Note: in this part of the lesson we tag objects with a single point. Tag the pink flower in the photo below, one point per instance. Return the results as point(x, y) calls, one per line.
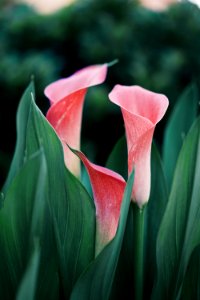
point(65, 114)
point(141, 110)
point(108, 188)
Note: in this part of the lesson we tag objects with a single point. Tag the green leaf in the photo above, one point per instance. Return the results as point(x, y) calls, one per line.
point(47, 269)
point(191, 282)
point(153, 215)
point(27, 289)
point(125, 263)
point(71, 207)
point(179, 233)
point(21, 222)
point(180, 121)
point(118, 161)
point(22, 119)
point(96, 282)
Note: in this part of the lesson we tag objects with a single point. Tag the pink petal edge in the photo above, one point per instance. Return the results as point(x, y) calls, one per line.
point(149, 105)
point(108, 188)
point(82, 79)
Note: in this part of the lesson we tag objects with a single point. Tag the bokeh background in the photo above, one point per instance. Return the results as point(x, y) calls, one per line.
point(157, 47)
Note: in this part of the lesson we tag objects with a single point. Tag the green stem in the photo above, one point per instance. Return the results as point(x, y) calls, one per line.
point(138, 231)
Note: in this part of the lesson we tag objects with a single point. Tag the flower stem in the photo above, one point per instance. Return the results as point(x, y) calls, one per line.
point(138, 230)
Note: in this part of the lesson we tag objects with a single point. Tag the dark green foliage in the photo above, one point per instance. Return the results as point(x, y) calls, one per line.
point(191, 283)
point(180, 121)
point(179, 233)
point(28, 284)
point(154, 214)
point(21, 222)
point(47, 218)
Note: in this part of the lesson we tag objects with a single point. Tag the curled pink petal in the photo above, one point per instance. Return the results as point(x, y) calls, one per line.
point(142, 110)
point(65, 114)
point(108, 188)
point(81, 79)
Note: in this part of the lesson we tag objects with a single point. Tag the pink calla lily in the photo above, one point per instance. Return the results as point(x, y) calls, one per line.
point(141, 110)
point(65, 114)
point(108, 188)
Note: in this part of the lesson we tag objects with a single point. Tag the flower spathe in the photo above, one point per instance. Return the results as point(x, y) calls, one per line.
point(108, 188)
point(65, 114)
point(141, 110)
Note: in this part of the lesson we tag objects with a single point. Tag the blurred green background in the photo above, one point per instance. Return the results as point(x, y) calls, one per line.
point(157, 50)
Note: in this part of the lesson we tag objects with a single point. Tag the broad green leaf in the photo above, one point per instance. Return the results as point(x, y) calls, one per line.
point(47, 268)
point(125, 263)
point(153, 215)
point(71, 207)
point(96, 282)
point(27, 289)
point(180, 121)
point(47, 275)
point(191, 282)
point(21, 222)
point(117, 160)
point(179, 233)
point(22, 119)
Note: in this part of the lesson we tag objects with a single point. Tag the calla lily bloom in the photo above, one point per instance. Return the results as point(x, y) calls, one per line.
point(108, 188)
point(141, 110)
point(65, 114)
